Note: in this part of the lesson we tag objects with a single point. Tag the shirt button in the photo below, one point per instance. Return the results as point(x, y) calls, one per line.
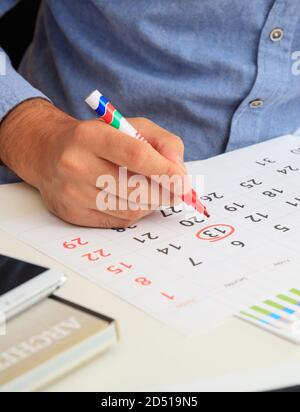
point(255, 104)
point(277, 34)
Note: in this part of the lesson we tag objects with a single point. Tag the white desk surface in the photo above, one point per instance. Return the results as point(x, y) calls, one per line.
point(151, 356)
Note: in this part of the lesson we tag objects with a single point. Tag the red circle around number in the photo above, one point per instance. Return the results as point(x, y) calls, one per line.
point(216, 239)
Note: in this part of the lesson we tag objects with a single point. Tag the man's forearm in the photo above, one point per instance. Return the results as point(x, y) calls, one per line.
point(14, 90)
point(21, 132)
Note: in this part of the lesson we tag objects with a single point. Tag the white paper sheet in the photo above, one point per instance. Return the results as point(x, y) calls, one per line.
point(183, 269)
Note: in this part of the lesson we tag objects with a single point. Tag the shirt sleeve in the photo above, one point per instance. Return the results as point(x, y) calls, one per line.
point(6, 5)
point(14, 89)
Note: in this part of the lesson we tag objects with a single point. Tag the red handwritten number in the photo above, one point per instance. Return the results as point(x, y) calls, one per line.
point(74, 243)
point(102, 253)
point(126, 265)
point(143, 281)
point(214, 233)
point(170, 297)
point(94, 256)
point(117, 270)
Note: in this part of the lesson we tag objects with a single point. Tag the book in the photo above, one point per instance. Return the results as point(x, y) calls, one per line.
point(49, 340)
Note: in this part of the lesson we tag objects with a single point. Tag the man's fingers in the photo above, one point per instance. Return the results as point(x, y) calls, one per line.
point(129, 208)
point(125, 151)
point(92, 218)
point(114, 180)
point(166, 143)
point(82, 216)
point(89, 197)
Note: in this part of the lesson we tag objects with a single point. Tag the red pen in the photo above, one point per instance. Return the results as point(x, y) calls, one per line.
point(113, 117)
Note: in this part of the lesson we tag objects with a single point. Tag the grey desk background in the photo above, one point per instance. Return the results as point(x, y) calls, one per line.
point(151, 356)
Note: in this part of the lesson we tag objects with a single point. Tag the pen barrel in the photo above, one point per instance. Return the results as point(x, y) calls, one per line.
point(111, 115)
point(127, 128)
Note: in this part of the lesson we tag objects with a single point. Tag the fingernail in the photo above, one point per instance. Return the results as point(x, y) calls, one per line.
point(180, 162)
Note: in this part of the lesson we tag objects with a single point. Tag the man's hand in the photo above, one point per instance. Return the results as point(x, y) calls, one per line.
point(63, 158)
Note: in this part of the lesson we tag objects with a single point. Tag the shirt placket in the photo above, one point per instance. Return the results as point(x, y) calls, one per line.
point(272, 77)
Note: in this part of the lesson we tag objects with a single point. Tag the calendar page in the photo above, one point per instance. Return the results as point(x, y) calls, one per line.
point(185, 270)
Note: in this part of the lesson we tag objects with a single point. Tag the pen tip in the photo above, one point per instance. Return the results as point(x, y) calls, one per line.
point(206, 214)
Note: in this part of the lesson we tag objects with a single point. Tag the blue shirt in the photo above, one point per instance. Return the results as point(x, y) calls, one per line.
point(193, 67)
